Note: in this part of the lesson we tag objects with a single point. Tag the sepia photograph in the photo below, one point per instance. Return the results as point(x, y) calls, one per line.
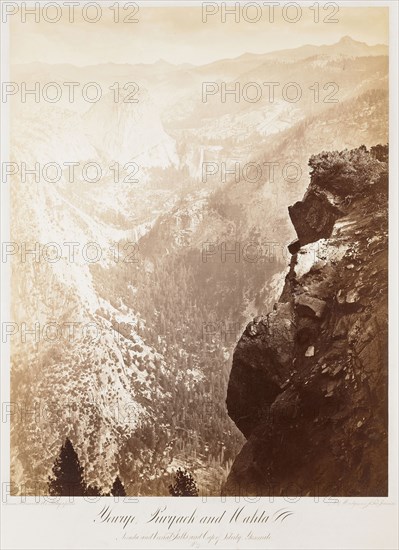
point(195, 258)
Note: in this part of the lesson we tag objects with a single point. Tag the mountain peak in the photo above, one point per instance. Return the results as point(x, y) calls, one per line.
point(347, 40)
point(163, 63)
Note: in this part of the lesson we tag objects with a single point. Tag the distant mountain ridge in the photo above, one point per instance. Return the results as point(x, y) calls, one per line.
point(346, 46)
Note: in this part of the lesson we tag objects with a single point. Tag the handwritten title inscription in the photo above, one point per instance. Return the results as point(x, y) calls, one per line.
point(161, 517)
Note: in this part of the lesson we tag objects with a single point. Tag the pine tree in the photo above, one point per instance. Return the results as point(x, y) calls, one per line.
point(94, 491)
point(184, 485)
point(118, 489)
point(67, 476)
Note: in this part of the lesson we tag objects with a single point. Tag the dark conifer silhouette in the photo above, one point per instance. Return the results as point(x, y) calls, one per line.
point(94, 491)
point(184, 485)
point(118, 489)
point(67, 478)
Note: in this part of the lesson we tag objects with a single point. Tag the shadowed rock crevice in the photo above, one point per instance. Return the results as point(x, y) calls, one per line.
point(308, 385)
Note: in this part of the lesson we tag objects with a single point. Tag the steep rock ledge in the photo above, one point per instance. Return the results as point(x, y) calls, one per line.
point(308, 385)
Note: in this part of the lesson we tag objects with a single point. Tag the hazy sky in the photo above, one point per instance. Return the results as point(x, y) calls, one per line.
point(179, 35)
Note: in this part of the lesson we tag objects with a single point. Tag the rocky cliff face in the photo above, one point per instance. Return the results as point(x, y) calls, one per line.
point(308, 385)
